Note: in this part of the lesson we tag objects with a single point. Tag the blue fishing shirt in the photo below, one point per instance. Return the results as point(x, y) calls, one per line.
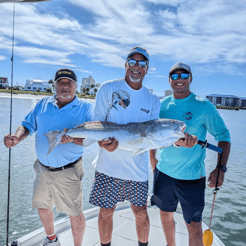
point(200, 116)
point(46, 117)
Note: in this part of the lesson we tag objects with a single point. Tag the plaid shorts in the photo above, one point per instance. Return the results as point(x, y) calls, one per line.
point(107, 191)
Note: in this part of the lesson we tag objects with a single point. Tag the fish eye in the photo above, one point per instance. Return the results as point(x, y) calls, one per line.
point(172, 121)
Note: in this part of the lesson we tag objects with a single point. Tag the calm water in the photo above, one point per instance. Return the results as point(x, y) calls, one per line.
point(229, 221)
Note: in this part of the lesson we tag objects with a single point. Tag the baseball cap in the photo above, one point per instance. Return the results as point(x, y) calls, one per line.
point(65, 73)
point(178, 66)
point(138, 50)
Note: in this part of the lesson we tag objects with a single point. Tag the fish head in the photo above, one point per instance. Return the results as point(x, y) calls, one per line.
point(170, 128)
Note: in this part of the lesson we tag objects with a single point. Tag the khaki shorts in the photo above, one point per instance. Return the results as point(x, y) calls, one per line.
point(60, 188)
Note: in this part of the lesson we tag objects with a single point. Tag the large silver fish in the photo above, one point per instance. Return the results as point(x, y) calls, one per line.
point(135, 137)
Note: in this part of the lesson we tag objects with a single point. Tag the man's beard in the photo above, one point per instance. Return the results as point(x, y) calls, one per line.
point(134, 80)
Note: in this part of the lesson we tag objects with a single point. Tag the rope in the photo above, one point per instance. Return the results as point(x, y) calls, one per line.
point(10, 130)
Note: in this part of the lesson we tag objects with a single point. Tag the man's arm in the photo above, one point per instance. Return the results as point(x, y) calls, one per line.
point(102, 107)
point(11, 141)
point(153, 160)
point(226, 146)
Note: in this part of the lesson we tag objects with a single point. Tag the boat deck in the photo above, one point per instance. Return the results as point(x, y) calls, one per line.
point(124, 230)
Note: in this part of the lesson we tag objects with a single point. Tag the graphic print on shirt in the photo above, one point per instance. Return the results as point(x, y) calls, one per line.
point(120, 98)
point(188, 116)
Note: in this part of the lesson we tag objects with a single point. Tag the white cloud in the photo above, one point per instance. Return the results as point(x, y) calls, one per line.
point(2, 58)
point(167, 2)
point(189, 31)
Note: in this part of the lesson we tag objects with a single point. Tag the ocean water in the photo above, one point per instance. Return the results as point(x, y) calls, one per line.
point(229, 218)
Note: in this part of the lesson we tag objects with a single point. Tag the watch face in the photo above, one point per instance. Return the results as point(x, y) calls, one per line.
point(223, 168)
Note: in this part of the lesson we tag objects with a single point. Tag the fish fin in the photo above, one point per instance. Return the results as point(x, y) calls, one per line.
point(138, 151)
point(88, 141)
point(53, 139)
point(136, 141)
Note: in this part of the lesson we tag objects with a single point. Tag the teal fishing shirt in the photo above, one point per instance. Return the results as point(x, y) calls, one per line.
point(46, 117)
point(200, 116)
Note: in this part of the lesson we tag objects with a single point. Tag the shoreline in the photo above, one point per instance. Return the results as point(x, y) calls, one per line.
point(29, 96)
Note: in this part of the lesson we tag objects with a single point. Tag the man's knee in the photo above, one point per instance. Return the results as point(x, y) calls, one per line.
point(194, 227)
point(80, 219)
point(106, 213)
point(140, 212)
point(166, 216)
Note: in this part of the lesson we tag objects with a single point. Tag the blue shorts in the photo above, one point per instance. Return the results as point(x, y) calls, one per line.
point(107, 191)
point(190, 193)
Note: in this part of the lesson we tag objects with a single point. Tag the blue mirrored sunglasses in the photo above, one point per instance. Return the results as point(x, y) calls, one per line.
point(133, 62)
point(175, 76)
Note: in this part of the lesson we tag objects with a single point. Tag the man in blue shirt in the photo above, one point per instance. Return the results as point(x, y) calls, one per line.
point(179, 175)
point(58, 175)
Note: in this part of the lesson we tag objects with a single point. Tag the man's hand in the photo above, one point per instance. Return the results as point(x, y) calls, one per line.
point(188, 142)
point(110, 144)
point(10, 141)
point(68, 139)
point(213, 178)
point(65, 138)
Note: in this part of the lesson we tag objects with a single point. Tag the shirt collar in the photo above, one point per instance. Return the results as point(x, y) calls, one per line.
point(71, 104)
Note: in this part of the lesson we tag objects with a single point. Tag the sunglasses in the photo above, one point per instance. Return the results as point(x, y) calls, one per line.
point(133, 62)
point(175, 76)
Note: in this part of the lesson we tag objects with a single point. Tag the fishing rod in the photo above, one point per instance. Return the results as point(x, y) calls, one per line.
point(11, 107)
point(10, 130)
point(205, 144)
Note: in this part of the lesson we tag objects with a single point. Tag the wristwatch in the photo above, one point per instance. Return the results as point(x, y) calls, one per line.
point(223, 168)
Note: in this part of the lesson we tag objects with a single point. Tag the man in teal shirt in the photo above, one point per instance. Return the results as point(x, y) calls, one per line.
point(179, 175)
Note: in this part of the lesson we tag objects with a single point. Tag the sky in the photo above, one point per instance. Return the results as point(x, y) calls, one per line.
point(93, 38)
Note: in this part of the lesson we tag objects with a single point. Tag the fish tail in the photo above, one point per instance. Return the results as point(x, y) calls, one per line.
point(53, 139)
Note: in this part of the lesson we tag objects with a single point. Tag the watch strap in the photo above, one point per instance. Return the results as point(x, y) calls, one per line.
point(223, 168)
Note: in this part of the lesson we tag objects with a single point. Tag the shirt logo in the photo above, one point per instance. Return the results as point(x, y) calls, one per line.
point(121, 98)
point(145, 110)
point(188, 116)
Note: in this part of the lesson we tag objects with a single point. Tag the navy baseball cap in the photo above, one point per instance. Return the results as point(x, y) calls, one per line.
point(138, 50)
point(65, 73)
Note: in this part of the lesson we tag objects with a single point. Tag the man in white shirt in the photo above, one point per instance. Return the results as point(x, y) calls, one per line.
point(120, 176)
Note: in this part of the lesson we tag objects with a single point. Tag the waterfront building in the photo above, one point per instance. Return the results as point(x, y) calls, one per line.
point(4, 83)
point(36, 84)
point(168, 92)
point(224, 100)
point(242, 102)
point(87, 82)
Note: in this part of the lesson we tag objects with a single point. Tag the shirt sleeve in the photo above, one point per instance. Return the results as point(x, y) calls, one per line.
point(215, 124)
point(103, 102)
point(156, 109)
point(30, 120)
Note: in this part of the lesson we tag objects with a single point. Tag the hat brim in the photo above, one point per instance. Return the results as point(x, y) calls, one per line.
point(179, 68)
point(64, 77)
point(137, 52)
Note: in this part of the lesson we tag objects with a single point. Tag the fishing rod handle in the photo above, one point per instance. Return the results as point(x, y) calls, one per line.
point(210, 146)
